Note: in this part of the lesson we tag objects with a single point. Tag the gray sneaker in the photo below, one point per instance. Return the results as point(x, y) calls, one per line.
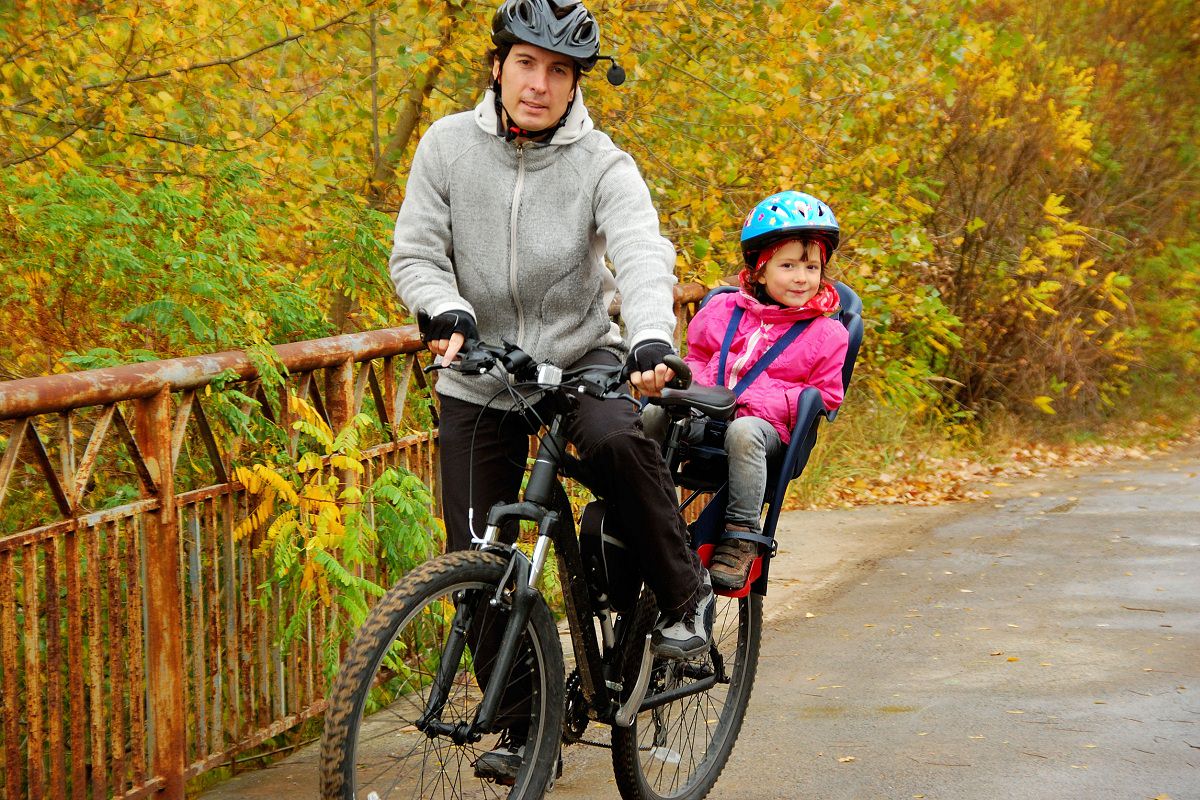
point(689, 634)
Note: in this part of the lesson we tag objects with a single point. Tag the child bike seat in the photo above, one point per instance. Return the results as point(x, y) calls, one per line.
point(717, 402)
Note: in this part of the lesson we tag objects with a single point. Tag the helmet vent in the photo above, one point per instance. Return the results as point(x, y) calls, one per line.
point(560, 26)
point(787, 215)
point(583, 33)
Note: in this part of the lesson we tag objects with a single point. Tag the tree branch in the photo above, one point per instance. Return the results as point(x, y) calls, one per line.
point(384, 167)
point(12, 162)
point(218, 62)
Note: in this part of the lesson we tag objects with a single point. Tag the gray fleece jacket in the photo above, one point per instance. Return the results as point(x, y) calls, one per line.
point(517, 235)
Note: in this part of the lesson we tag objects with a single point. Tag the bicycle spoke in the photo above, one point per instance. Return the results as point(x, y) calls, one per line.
point(377, 743)
point(677, 749)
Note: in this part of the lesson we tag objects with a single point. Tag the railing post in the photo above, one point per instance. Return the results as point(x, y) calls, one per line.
point(339, 394)
point(164, 635)
point(339, 399)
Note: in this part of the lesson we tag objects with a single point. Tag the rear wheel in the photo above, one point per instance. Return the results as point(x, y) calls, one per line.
point(374, 745)
point(680, 741)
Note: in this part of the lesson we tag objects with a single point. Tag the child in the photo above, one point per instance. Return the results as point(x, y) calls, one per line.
point(786, 242)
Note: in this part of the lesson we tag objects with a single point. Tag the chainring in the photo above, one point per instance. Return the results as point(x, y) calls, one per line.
point(575, 719)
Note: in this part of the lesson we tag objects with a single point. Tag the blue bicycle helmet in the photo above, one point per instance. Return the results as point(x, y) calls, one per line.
point(787, 215)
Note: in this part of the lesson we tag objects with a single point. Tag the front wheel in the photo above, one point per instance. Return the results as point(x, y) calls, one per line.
point(693, 710)
point(377, 741)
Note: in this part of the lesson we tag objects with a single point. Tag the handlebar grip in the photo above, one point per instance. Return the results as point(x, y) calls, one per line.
point(683, 373)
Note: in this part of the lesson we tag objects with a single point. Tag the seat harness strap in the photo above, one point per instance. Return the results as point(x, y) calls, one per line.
point(759, 366)
point(747, 536)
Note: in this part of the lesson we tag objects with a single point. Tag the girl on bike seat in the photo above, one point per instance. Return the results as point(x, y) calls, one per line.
point(787, 241)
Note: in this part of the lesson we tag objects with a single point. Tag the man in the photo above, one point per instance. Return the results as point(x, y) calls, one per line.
point(508, 215)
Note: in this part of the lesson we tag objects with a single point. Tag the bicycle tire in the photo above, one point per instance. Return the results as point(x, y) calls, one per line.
point(371, 747)
point(678, 750)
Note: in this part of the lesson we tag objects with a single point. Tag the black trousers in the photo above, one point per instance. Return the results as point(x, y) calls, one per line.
point(483, 453)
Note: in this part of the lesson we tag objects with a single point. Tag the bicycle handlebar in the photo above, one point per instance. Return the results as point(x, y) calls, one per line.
point(477, 358)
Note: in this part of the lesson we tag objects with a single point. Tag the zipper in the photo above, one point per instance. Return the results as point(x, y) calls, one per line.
point(512, 244)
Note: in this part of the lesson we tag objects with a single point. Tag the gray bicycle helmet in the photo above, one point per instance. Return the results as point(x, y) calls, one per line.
point(560, 26)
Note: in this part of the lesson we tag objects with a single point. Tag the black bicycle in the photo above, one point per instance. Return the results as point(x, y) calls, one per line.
point(465, 646)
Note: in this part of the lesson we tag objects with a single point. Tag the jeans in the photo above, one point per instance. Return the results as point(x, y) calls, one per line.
point(750, 444)
point(483, 454)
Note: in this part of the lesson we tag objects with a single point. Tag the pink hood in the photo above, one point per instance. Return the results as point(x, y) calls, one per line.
point(815, 359)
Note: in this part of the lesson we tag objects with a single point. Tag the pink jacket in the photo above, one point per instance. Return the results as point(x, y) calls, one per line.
point(814, 359)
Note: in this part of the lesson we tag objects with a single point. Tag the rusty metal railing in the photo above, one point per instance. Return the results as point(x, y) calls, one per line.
point(132, 654)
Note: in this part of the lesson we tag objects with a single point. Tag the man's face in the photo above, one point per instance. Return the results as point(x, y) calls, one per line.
point(536, 85)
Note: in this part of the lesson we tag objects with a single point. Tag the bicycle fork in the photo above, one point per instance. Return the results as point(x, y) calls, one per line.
point(523, 576)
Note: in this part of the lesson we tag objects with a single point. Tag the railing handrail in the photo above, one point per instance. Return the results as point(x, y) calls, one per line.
point(56, 393)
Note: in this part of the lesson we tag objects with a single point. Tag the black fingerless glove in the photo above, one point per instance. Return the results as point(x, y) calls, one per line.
point(647, 355)
point(444, 325)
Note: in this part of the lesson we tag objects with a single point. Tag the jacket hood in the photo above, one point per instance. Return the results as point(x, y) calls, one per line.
point(825, 301)
point(577, 125)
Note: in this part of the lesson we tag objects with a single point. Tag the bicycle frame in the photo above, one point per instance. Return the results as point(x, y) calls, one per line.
point(600, 671)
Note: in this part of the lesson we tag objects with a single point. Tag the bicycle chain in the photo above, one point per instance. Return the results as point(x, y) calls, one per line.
point(575, 718)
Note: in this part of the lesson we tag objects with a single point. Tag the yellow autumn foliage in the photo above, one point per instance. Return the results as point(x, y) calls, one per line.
point(181, 181)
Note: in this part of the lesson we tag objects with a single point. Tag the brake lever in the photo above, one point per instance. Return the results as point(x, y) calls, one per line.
point(472, 358)
point(623, 396)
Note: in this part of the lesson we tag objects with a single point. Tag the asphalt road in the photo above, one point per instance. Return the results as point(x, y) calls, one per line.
point(1043, 644)
point(1045, 647)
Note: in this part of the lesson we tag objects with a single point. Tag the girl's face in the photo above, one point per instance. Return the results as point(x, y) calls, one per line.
point(793, 273)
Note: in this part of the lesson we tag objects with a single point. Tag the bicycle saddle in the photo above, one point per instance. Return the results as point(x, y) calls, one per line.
point(717, 402)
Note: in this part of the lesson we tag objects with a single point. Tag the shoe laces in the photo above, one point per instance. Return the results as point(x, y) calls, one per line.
point(691, 618)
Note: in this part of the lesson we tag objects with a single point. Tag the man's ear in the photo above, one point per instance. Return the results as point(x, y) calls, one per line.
point(495, 69)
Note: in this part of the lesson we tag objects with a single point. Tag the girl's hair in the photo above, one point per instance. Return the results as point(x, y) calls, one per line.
point(749, 276)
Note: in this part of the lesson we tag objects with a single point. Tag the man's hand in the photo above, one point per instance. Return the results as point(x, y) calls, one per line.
point(446, 333)
point(647, 372)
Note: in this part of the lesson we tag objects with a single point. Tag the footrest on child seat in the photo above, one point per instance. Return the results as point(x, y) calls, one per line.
point(707, 531)
point(705, 551)
point(755, 566)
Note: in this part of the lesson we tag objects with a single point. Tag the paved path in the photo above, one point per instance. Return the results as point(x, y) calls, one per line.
point(1043, 645)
